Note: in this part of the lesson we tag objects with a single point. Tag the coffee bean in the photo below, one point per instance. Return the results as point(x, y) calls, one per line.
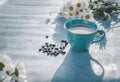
point(50, 45)
point(43, 46)
point(63, 41)
point(40, 50)
point(46, 43)
point(63, 47)
point(52, 53)
point(60, 48)
point(56, 48)
point(44, 51)
point(46, 36)
point(59, 51)
point(56, 54)
point(63, 52)
point(52, 48)
point(47, 46)
point(53, 45)
point(48, 53)
point(66, 44)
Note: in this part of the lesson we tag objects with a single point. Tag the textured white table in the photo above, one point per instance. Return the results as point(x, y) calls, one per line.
point(23, 27)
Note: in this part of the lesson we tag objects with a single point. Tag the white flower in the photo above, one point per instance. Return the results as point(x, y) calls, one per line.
point(85, 4)
point(12, 71)
point(21, 73)
point(7, 69)
point(86, 14)
point(79, 9)
point(72, 15)
point(69, 6)
point(9, 65)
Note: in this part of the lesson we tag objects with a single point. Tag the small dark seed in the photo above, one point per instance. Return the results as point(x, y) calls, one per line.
point(52, 48)
point(63, 52)
point(52, 53)
point(43, 46)
point(46, 43)
point(50, 45)
point(56, 48)
point(63, 41)
point(53, 45)
point(55, 51)
point(48, 49)
point(40, 50)
point(46, 36)
point(48, 53)
point(63, 47)
point(56, 54)
point(44, 51)
point(66, 44)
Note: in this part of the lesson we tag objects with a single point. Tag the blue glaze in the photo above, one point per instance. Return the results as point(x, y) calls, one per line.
point(81, 42)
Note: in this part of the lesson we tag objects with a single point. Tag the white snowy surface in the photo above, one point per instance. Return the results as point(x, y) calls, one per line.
point(23, 27)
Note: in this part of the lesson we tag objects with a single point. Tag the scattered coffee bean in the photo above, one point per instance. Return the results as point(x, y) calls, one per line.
point(53, 45)
point(60, 48)
point(48, 49)
point(56, 48)
point(48, 53)
point(66, 44)
point(46, 43)
point(46, 36)
point(50, 45)
point(47, 46)
point(63, 41)
point(53, 49)
point(56, 54)
point(53, 53)
point(43, 46)
point(40, 50)
point(63, 53)
point(63, 47)
point(44, 51)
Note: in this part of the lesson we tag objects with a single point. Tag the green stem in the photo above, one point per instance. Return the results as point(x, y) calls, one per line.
point(12, 74)
point(3, 79)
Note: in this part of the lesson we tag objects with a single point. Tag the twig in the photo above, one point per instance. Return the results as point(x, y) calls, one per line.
point(112, 28)
point(3, 79)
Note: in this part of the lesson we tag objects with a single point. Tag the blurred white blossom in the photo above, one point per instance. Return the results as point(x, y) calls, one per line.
point(78, 9)
point(11, 72)
point(75, 9)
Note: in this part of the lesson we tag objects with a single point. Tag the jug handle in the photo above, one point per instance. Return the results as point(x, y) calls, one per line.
point(100, 36)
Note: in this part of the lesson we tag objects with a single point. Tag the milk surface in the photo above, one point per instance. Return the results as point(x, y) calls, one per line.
point(81, 30)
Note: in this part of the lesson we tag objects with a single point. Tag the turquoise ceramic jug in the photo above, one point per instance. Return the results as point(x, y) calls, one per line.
point(81, 42)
